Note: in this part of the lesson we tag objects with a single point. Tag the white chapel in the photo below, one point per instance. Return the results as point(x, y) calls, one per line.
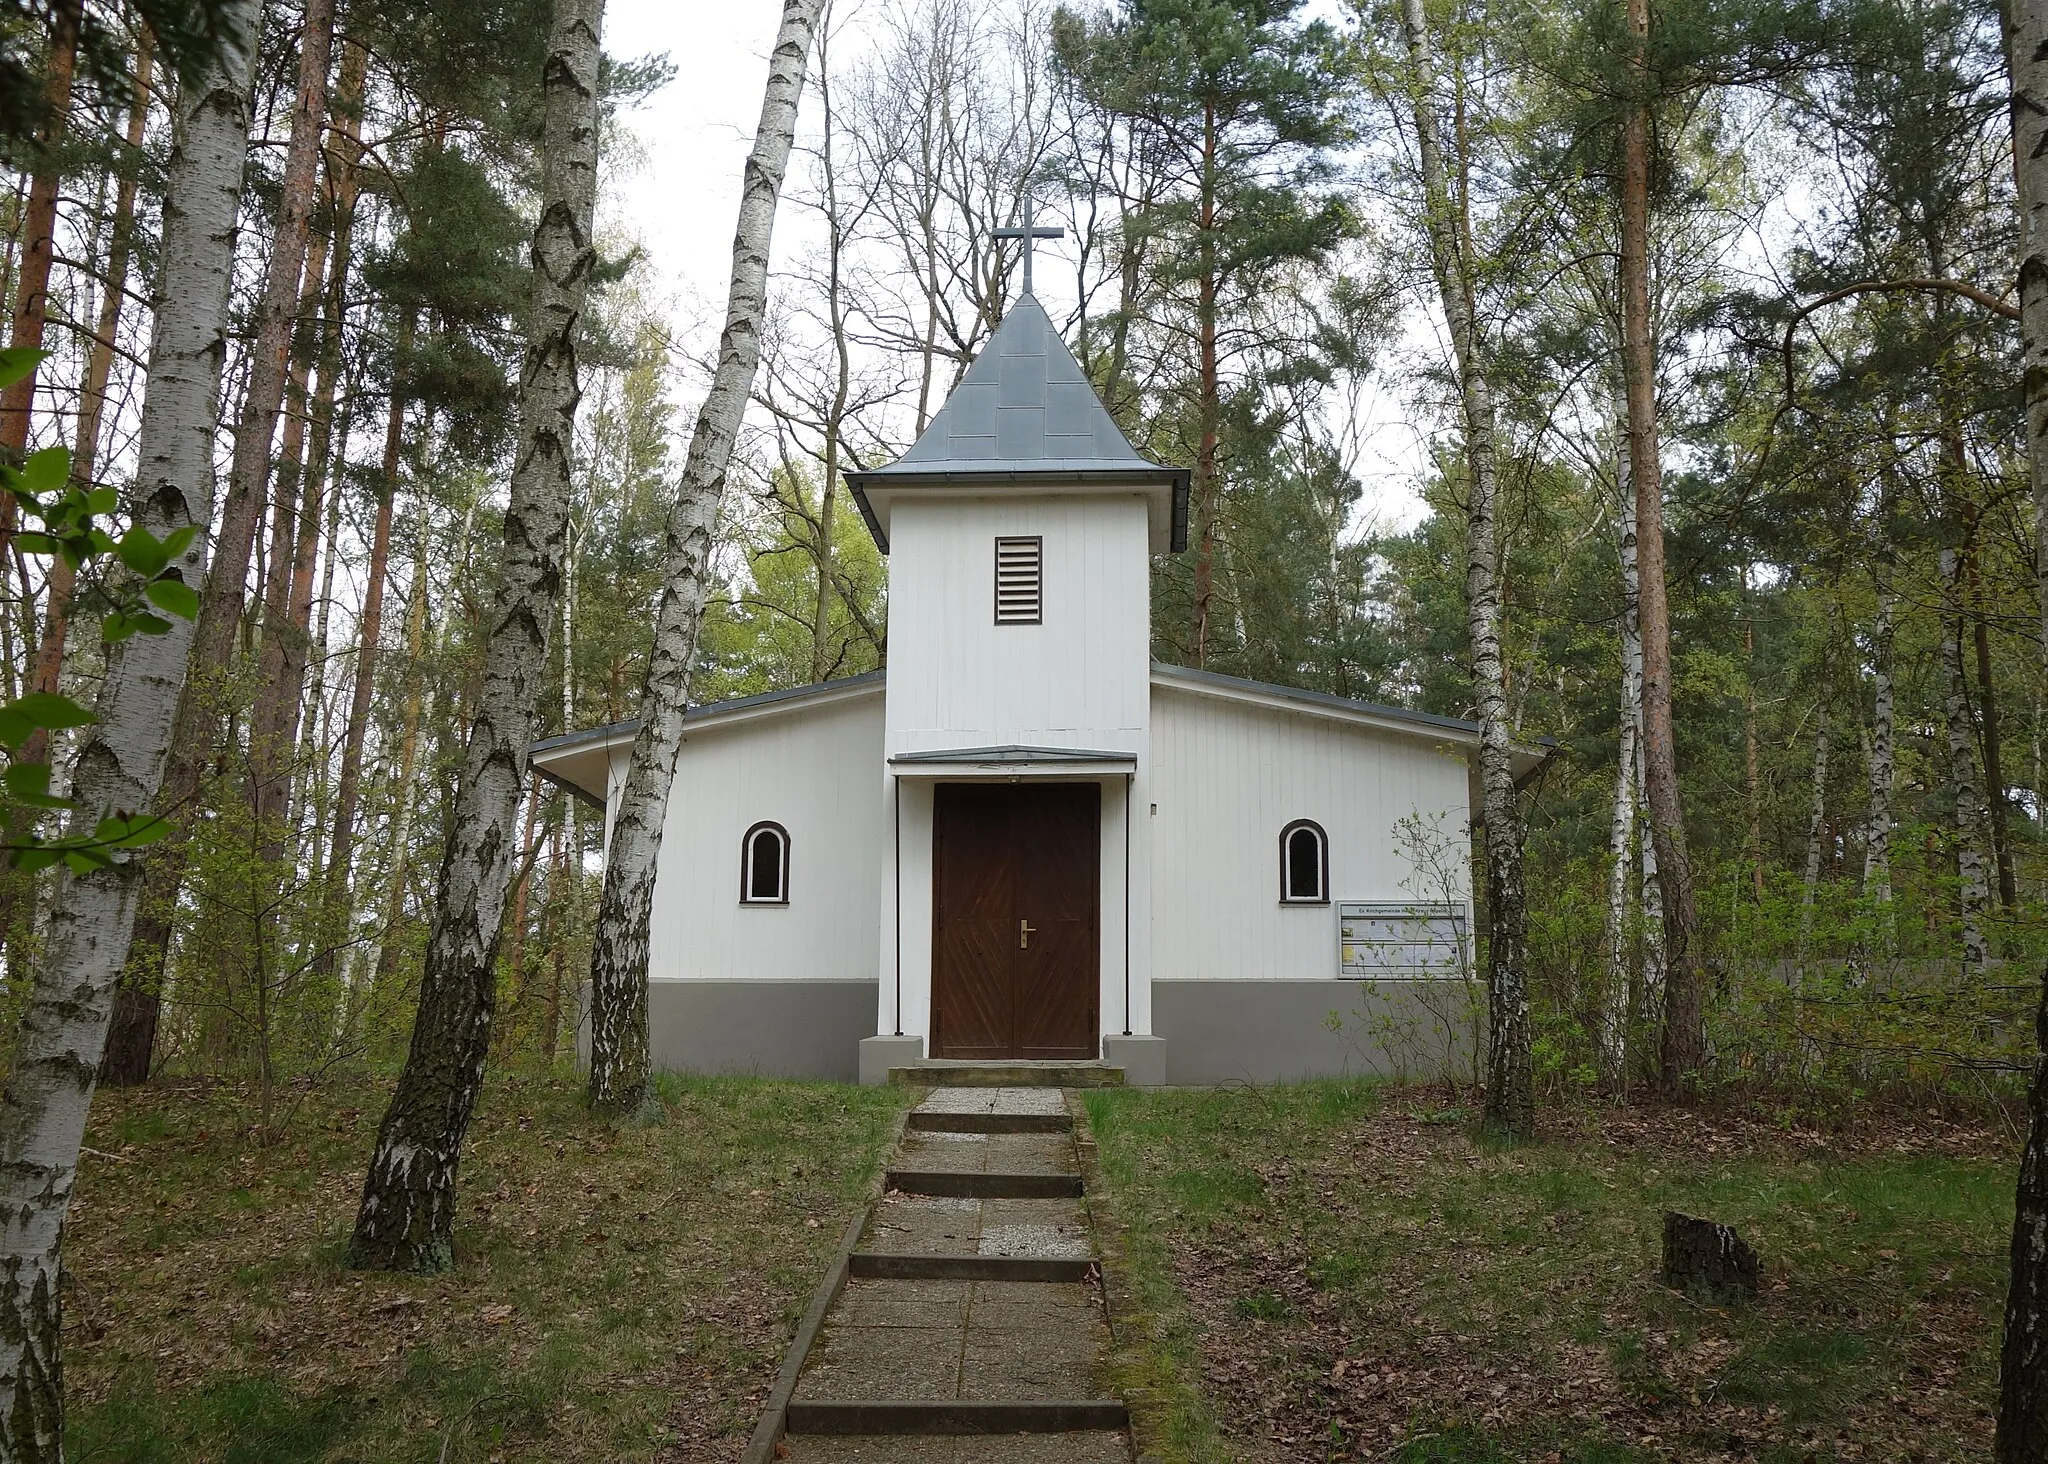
point(1027, 840)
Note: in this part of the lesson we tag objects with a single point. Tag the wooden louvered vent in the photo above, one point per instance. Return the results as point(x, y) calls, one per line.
point(1018, 581)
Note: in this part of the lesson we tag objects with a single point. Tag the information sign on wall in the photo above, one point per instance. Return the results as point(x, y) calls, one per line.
point(1405, 940)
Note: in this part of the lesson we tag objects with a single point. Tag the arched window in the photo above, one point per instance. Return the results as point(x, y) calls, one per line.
point(764, 865)
point(1304, 864)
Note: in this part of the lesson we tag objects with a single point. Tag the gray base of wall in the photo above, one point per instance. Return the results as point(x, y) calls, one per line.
point(1282, 1031)
point(771, 1029)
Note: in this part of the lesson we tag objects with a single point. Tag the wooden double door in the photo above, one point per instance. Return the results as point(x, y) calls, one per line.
point(1016, 900)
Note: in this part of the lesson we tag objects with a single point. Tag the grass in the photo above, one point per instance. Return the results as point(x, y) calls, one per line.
point(621, 1292)
point(1333, 1271)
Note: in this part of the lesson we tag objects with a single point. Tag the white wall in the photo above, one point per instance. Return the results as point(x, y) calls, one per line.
point(1226, 777)
point(957, 679)
point(812, 770)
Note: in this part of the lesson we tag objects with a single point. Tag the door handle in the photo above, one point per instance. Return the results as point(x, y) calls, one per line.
point(1024, 930)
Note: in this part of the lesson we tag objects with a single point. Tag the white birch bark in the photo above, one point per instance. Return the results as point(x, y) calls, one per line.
point(1651, 888)
point(406, 1218)
point(618, 955)
point(1816, 823)
point(1877, 835)
point(1973, 891)
point(120, 764)
point(1510, 1085)
point(1621, 824)
point(2023, 1373)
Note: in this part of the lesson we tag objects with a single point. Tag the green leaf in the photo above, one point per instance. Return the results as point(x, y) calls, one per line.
point(47, 709)
point(45, 471)
point(103, 500)
point(177, 541)
point(35, 543)
point(175, 596)
point(85, 861)
point(130, 830)
point(143, 552)
point(16, 363)
point(32, 859)
point(15, 729)
point(30, 783)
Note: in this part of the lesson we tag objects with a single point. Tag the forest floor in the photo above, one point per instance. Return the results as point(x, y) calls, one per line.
point(1342, 1271)
point(621, 1292)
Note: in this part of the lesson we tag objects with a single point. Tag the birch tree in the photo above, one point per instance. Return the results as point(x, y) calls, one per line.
point(1510, 1077)
point(2023, 1369)
point(1622, 831)
point(618, 955)
point(119, 767)
point(406, 1217)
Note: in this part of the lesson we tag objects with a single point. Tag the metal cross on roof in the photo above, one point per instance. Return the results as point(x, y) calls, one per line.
point(1027, 233)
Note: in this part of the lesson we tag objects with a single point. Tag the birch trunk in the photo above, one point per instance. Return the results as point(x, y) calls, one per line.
point(1973, 890)
point(1510, 1075)
point(385, 963)
point(2023, 1372)
point(618, 953)
point(407, 1214)
point(1816, 824)
point(1621, 827)
point(1684, 1035)
point(269, 363)
point(1877, 836)
point(120, 763)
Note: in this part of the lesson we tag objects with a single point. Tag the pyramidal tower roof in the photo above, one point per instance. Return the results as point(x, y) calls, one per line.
point(1026, 416)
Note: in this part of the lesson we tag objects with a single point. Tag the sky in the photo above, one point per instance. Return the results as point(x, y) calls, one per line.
point(675, 190)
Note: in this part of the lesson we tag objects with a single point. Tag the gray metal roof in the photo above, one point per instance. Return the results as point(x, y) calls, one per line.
point(1024, 413)
point(1013, 755)
point(1025, 404)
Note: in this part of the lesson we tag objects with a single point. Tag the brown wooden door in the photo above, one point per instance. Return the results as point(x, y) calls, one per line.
point(1016, 931)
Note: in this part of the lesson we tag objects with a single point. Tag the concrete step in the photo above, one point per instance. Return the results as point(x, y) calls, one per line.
point(949, 1073)
point(955, 1415)
point(991, 1123)
point(979, 1185)
point(1060, 1448)
point(881, 1266)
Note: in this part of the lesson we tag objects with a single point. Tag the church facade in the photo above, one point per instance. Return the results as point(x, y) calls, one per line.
point(1026, 839)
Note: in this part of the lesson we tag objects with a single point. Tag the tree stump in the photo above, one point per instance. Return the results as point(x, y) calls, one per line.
point(1702, 1257)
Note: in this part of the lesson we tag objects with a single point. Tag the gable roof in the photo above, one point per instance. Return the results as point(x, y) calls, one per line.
point(1026, 414)
point(578, 761)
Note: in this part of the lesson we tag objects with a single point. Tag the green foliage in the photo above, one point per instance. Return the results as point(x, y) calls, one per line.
point(69, 514)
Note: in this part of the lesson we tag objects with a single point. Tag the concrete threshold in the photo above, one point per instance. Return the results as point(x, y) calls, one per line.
point(955, 1416)
point(876, 1265)
point(974, 1185)
point(953, 1073)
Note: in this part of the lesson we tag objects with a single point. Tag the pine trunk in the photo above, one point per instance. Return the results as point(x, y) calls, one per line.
point(1510, 1074)
point(2023, 1372)
point(406, 1218)
point(336, 898)
point(1684, 1037)
point(1208, 405)
point(64, 1028)
point(281, 676)
point(38, 253)
point(618, 953)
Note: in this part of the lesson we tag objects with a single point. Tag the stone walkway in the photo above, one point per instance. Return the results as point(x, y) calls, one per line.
point(971, 1324)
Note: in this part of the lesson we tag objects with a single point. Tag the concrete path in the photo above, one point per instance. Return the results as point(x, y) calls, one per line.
point(971, 1324)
